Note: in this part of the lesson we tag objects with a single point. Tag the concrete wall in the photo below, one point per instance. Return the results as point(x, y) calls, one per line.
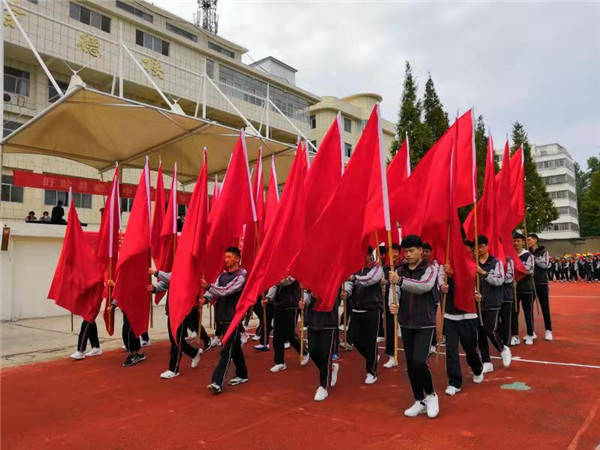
point(560, 247)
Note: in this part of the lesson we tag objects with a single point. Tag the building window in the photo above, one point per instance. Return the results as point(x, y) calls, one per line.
point(89, 17)
point(52, 94)
point(311, 149)
point(135, 11)
point(181, 32)
point(210, 68)
point(241, 86)
point(151, 42)
point(559, 179)
point(224, 51)
point(126, 204)
point(9, 126)
point(348, 149)
point(313, 121)
point(574, 227)
point(290, 104)
point(52, 198)
point(11, 193)
point(567, 210)
point(347, 125)
point(16, 81)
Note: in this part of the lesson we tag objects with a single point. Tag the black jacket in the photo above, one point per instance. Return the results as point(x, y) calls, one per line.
point(417, 293)
point(321, 320)
point(492, 285)
point(542, 263)
point(525, 284)
point(227, 290)
point(365, 288)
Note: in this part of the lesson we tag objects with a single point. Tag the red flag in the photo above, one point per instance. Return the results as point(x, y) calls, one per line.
point(325, 172)
point(131, 284)
point(234, 209)
point(399, 169)
point(272, 196)
point(159, 216)
point(254, 232)
point(188, 267)
point(340, 234)
point(466, 168)
point(216, 192)
point(78, 281)
point(107, 246)
point(282, 241)
point(517, 173)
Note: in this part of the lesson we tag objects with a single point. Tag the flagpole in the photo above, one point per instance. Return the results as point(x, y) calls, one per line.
point(301, 327)
point(72, 323)
point(379, 259)
point(535, 298)
point(445, 294)
point(394, 295)
point(476, 254)
point(109, 294)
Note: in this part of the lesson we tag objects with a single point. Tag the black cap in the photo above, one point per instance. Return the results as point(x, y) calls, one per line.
point(412, 240)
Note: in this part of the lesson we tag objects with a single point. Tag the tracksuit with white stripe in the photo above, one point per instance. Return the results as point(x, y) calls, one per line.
point(491, 286)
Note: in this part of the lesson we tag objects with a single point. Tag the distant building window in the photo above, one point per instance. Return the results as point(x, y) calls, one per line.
point(11, 193)
point(135, 11)
point(347, 125)
point(555, 164)
point(567, 210)
point(222, 50)
point(210, 68)
point(313, 121)
point(52, 198)
point(348, 149)
point(52, 94)
point(16, 81)
point(9, 126)
point(242, 86)
point(151, 42)
point(181, 32)
point(89, 17)
point(311, 149)
point(126, 204)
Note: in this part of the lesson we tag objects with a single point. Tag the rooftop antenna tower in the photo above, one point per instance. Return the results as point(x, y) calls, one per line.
point(206, 16)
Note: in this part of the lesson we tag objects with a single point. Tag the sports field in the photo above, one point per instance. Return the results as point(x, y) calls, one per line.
point(548, 399)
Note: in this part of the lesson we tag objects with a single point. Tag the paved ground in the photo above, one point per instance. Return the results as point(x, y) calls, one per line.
point(548, 399)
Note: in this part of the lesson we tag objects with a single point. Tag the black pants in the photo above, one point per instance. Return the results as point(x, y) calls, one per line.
point(88, 330)
point(284, 331)
point(232, 350)
point(145, 336)
point(465, 332)
point(416, 350)
point(363, 332)
point(191, 322)
point(258, 310)
point(542, 292)
point(525, 302)
point(130, 340)
point(489, 331)
point(504, 320)
point(320, 348)
point(178, 347)
point(389, 339)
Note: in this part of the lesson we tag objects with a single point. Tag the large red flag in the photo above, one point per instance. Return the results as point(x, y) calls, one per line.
point(325, 172)
point(234, 208)
point(254, 232)
point(107, 246)
point(282, 241)
point(517, 173)
point(131, 283)
point(399, 168)
point(466, 164)
point(158, 217)
point(188, 267)
point(78, 281)
point(272, 196)
point(340, 234)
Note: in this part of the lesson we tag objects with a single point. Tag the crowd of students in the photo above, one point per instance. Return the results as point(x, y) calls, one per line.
point(577, 267)
point(369, 304)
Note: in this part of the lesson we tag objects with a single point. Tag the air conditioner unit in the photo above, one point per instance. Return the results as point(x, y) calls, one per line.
point(15, 99)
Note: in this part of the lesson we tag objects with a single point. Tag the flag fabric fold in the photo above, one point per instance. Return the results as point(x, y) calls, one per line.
point(158, 217)
point(272, 197)
point(517, 173)
point(254, 231)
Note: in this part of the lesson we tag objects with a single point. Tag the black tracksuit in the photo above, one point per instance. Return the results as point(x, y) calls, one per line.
point(524, 295)
point(540, 277)
point(460, 326)
point(508, 299)
point(492, 290)
point(227, 290)
point(322, 327)
point(416, 291)
point(130, 340)
point(367, 303)
point(258, 310)
point(284, 298)
point(89, 330)
point(389, 317)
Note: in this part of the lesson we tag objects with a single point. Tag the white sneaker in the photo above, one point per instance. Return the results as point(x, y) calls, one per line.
point(432, 350)
point(244, 337)
point(168, 374)
point(256, 337)
point(391, 363)
point(95, 351)
point(432, 405)
point(278, 368)
point(286, 345)
point(488, 367)
point(534, 335)
point(335, 368)
point(305, 359)
point(478, 379)
point(215, 341)
point(380, 339)
point(515, 340)
point(528, 340)
point(77, 355)
point(196, 359)
point(452, 391)
point(144, 343)
point(506, 356)
point(416, 409)
point(192, 335)
point(548, 336)
point(370, 379)
point(321, 394)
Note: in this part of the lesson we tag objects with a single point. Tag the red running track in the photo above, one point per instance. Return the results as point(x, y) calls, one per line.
point(97, 404)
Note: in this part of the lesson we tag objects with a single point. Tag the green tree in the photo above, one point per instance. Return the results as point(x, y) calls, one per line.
point(480, 152)
point(435, 116)
point(588, 197)
point(540, 210)
point(409, 122)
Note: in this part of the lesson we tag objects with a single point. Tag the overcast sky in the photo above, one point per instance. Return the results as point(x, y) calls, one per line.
point(538, 63)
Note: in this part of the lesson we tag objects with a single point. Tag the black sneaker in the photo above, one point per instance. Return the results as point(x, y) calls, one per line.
point(129, 360)
point(138, 357)
point(214, 388)
point(237, 380)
